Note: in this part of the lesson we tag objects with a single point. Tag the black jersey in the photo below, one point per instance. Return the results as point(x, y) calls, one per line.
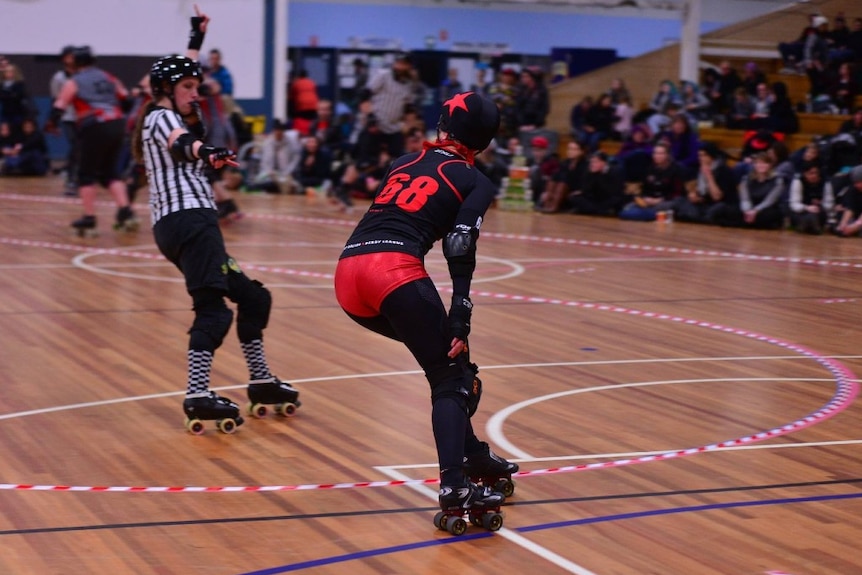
point(423, 196)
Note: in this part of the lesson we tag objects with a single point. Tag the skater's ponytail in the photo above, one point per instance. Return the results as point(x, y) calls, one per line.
point(137, 136)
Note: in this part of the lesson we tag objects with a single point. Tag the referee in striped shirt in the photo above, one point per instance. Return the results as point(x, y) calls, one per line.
point(391, 91)
point(168, 140)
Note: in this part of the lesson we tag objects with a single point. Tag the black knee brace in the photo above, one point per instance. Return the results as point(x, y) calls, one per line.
point(458, 382)
point(253, 304)
point(212, 320)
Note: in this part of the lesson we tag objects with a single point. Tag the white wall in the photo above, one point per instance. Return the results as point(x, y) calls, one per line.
point(139, 28)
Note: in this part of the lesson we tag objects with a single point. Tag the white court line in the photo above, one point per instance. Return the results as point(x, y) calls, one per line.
point(505, 533)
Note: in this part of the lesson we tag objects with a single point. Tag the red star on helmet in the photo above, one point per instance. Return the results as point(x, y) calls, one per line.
point(457, 101)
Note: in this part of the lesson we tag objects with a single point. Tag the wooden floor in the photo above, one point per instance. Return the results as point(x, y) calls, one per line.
point(691, 390)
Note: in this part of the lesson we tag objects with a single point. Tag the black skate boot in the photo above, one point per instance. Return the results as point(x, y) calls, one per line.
point(85, 227)
point(228, 211)
point(126, 220)
point(480, 504)
point(211, 407)
point(272, 391)
point(489, 469)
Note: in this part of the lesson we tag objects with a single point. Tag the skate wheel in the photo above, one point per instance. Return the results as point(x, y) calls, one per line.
point(195, 426)
point(226, 425)
point(456, 525)
point(287, 409)
point(492, 521)
point(506, 487)
point(439, 518)
point(257, 410)
point(476, 520)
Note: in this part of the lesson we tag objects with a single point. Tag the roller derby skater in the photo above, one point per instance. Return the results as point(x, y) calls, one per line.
point(187, 233)
point(382, 284)
point(272, 391)
point(99, 99)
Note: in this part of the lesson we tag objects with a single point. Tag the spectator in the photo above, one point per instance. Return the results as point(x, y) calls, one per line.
point(659, 105)
point(314, 172)
point(599, 123)
point(351, 177)
point(15, 103)
point(493, 164)
point(568, 179)
point(760, 194)
point(792, 53)
point(360, 83)
point(392, 89)
point(504, 92)
point(740, 111)
point(854, 40)
point(29, 156)
point(481, 84)
point(725, 86)
point(601, 193)
point(451, 85)
point(578, 119)
point(664, 182)
point(625, 114)
point(280, 153)
point(543, 164)
point(782, 117)
point(816, 56)
point(332, 132)
point(694, 103)
point(684, 144)
point(761, 103)
point(715, 185)
point(219, 73)
point(752, 78)
point(67, 122)
point(853, 125)
point(811, 200)
point(533, 103)
point(838, 38)
point(850, 222)
point(619, 92)
point(843, 89)
point(635, 154)
point(302, 95)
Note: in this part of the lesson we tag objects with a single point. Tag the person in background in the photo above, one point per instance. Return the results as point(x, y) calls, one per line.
point(67, 121)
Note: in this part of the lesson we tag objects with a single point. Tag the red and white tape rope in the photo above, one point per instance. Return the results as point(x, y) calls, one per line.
point(846, 391)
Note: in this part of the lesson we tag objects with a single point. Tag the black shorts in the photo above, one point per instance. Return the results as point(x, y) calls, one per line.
point(192, 241)
point(100, 145)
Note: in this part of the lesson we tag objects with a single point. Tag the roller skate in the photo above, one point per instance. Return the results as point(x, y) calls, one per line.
point(211, 407)
point(272, 391)
point(228, 211)
point(126, 220)
point(490, 470)
point(481, 505)
point(85, 227)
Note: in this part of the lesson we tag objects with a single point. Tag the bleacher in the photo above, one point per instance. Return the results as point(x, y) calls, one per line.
point(752, 40)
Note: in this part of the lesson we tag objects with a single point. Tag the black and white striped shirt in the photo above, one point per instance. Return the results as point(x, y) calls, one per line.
point(174, 185)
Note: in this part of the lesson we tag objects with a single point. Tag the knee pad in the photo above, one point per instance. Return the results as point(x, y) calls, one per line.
point(253, 304)
point(457, 382)
point(212, 320)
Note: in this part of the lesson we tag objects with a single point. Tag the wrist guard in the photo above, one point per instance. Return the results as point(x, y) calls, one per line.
point(182, 150)
point(460, 313)
point(196, 36)
point(211, 154)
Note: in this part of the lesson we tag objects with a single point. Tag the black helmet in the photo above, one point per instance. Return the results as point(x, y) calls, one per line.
point(470, 119)
point(83, 56)
point(172, 69)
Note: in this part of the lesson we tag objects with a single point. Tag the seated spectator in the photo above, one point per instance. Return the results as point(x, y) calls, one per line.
point(839, 37)
point(715, 185)
point(853, 125)
point(29, 155)
point(314, 172)
point(782, 116)
point(792, 53)
point(722, 90)
point(684, 144)
point(15, 103)
point(761, 103)
point(843, 89)
point(664, 182)
point(660, 106)
point(543, 163)
point(810, 154)
point(492, 163)
point(567, 180)
point(752, 77)
point(811, 200)
point(599, 123)
point(760, 194)
point(332, 131)
point(694, 103)
point(618, 91)
point(635, 153)
point(280, 154)
point(816, 56)
point(533, 102)
point(601, 193)
point(740, 111)
point(352, 176)
point(854, 40)
point(625, 114)
point(850, 222)
point(578, 118)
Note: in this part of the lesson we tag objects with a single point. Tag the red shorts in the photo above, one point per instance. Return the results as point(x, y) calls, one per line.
point(362, 282)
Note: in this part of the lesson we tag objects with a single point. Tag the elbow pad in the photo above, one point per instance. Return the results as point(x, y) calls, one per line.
point(459, 248)
point(182, 150)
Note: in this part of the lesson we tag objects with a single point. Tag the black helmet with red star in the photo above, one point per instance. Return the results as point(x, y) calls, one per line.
point(471, 119)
